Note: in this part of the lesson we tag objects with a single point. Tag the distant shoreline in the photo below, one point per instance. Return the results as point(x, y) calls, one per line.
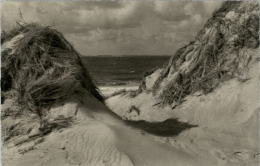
point(109, 90)
point(123, 71)
point(104, 56)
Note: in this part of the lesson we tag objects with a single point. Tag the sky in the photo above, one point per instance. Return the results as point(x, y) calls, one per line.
point(126, 27)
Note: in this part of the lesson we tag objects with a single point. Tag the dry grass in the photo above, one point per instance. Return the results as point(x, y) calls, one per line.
point(215, 57)
point(44, 68)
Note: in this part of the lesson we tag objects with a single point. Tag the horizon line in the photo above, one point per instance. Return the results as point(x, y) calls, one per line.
point(109, 55)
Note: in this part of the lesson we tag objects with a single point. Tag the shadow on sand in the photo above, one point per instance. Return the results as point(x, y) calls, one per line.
point(169, 127)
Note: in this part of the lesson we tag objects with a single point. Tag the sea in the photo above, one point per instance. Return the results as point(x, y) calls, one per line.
point(121, 70)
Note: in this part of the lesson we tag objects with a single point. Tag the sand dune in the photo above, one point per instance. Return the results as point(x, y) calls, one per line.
point(53, 114)
point(97, 138)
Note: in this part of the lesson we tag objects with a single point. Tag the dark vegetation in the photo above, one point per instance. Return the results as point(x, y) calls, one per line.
point(43, 68)
point(39, 69)
point(215, 55)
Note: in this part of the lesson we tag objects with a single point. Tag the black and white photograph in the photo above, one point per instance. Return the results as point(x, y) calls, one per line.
point(130, 83)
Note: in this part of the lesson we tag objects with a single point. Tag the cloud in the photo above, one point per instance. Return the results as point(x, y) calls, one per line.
point(171, 11)
point(116, 27)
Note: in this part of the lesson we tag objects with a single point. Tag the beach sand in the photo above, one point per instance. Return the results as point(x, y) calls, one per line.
point(226, 119)
point(109, 90)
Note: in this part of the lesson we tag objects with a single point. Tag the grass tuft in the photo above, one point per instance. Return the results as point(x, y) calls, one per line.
point(43, 67)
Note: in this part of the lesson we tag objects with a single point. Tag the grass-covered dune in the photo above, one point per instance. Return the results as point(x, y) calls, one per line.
point(41, 65)
point(214, 56)
point(213, 83)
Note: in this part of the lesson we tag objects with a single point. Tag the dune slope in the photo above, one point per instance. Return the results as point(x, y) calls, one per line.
point(213, 83)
